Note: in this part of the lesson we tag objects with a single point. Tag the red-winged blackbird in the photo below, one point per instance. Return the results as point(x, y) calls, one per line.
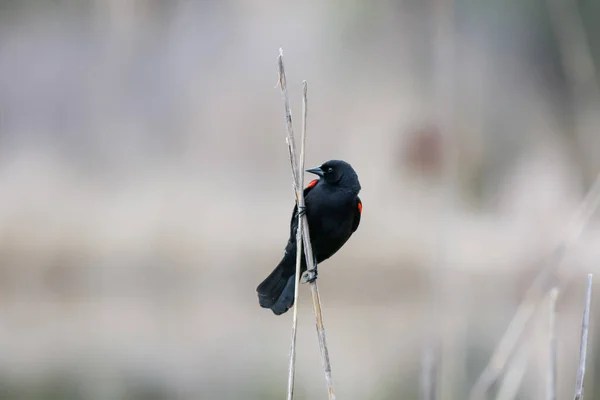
point(333, 209)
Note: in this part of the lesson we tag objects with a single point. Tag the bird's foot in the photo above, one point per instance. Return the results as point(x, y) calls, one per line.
point(301, 211)
point(310, 275)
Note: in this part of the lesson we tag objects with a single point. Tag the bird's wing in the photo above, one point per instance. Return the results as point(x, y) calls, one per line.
point(356, 221)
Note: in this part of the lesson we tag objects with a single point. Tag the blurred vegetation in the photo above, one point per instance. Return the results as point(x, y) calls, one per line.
point(144, 191)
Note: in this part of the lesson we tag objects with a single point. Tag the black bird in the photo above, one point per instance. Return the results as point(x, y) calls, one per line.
point(333, 209)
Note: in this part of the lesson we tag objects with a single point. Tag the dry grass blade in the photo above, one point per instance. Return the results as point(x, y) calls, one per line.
point(510, 341)
point(584, 339)
point(299, 190)
point(540, 286)
point(513, 378)
point(551, 378)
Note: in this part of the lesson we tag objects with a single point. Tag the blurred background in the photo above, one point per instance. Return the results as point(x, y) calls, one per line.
point(145, 192)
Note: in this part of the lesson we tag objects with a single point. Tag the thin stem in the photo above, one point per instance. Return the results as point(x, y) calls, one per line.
point(305, 231)
point(584, 339)
point(551, 382)
point(511, 383)
point(300, 177)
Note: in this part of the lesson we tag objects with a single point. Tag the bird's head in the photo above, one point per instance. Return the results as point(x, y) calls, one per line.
point(339, 173)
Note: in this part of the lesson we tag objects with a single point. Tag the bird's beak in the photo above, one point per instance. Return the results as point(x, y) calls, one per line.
point(316, 171)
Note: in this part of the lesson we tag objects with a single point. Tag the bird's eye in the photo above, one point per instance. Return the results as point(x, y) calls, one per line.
point(330, 170)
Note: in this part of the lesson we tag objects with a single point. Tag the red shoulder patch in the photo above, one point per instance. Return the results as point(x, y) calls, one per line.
point(359, 207)
point(312, 183)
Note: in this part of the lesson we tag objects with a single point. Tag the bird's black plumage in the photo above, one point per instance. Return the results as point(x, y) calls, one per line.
point(333, 211)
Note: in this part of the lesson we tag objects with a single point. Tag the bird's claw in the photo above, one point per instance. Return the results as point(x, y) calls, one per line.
point(301, 211)
point(310, 276)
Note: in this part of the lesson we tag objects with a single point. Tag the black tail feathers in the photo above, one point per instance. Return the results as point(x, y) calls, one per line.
point(277, 290)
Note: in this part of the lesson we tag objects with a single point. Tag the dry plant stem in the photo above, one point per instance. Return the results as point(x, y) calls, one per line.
point(513, 378)
point(300, 177)
point(584, 339)
point(300, 203)
point(551, 378)
point(292, 366)
point(540, 286)
point(301, 168)
point(504, 350)
point(305, 231)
